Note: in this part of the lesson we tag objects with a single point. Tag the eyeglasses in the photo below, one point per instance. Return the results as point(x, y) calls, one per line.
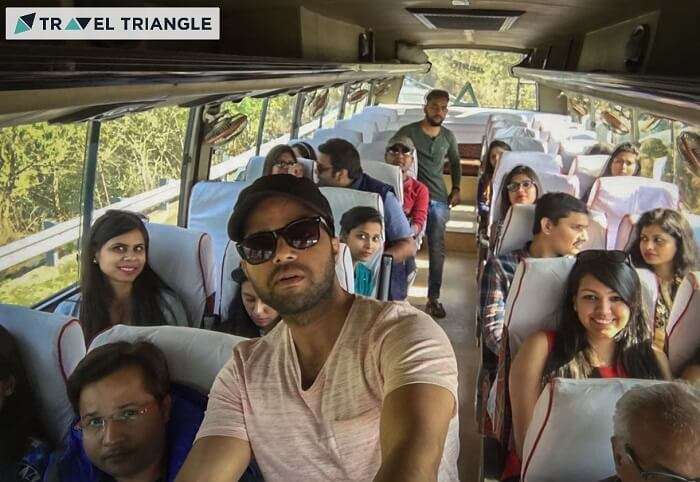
point(613, 255)
point(300, 234)
point(95, 426)
point(281, 163)
point(400, 150)
point(514, 186)
point(655, 475)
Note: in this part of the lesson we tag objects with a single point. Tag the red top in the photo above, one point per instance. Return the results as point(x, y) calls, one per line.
point(415, 201)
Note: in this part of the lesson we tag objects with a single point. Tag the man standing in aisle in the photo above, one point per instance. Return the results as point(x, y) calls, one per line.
point(433, 143)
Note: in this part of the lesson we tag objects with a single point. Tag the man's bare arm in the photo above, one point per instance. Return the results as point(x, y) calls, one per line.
point(413, 428)
point(216, 459)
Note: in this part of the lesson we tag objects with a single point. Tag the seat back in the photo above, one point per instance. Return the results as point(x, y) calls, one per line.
point(519, 143)
point(343, 199)
point(570, 148)
point(194, 356)
point(569, 435)
point(385, 111)
point(617, 196)
point(322, 135)
point(256, 165)
point(683, 328)
point(372, 151)
point(387, 173)
point(51, 346)
point(555, 182)
point(184, 260)
point(625, 231)
point(364, 126)
point(383, 136)
point(587, 169)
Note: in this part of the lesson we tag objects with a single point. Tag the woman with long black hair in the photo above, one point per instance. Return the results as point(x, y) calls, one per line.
point(24, 454)
point(488, 168)
point(117, 284)
point(248, 315)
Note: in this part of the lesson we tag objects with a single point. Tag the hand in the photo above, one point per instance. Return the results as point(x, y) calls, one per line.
point(454, 198)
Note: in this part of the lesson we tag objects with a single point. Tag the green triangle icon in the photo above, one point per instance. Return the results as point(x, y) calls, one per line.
point(21, 27)
point(73, 25)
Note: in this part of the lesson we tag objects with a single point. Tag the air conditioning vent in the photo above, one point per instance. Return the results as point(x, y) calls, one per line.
point(466, 19)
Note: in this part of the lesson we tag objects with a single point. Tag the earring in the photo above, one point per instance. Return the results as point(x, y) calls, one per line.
point(94, 260)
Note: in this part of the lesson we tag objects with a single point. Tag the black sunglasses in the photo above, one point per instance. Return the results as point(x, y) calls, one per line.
point(613, 255)
point(399, 149)
point(299, 234)
point(655, 475)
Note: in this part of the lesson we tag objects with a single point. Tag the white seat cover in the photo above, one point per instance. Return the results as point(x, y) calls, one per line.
point(184, 260)
point(372, 151)
point(625, 231)
point(569, 435)
point(364, 126)
point(256, 164)
point(386, 111)
point(384, 136)
point(344, 269)
point(555, 182)
point(570, 148)
point(683, 326)
point(617, 196)
point(194, 356)
point(380, 121)
point(51, 346)
point(387, 173)
point(343, 199)
point(694, 221)
point(587, 169)
point(322, 135)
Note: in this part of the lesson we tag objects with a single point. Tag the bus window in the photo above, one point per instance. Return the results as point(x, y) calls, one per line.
point(357, 99)
point(41, 172)
point(228, 161)
point(335, 95)
point(139, 163)
point(278, 122)
point(687, 176)
point(314, 105)
point(613, 122)
point(656, 147)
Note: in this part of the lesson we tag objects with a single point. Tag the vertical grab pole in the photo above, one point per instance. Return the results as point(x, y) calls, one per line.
point(261, 125)
point(89, 176)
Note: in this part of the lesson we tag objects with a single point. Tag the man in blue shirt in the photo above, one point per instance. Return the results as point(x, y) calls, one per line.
point(338, 165)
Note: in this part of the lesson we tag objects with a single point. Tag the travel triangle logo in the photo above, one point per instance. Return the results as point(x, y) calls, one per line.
point(25, 23)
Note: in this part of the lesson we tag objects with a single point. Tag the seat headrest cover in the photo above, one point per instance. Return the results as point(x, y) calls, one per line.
point(229, 287)
point(569, 435)
point(683, 326)
point(344, 269)
point(387, 173)
point(372, 151)
point(184, 260)
point(194, 356)
point(343, 199)
point(555, 182)
point(322, 135)
point(51, 346)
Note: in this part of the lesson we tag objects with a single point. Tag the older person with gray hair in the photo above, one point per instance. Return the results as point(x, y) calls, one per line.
point(657, 434)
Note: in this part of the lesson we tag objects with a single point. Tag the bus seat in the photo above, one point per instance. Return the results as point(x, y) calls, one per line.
point(184, 260)
point(502, 125)
point(386, 173)
point(570, 148)
point(386, 111)
point(659, 168)
point(587, 169)
point(552, 146)
point(379, 119)
point(683, 328)
point(51, 346)
point(520, 219)
point(548, 121)
point(383, 137)
point(526, 144)
point(194, 356)
point(555, 182)
point(372, 151)
point(232, 260)
point(569, 434)
point(364, 126)
point(256, 164)
point(343, 199)
point(625, 231)
point(322, 135)
point(509, 132)
point(466, 133)
point(620, 195)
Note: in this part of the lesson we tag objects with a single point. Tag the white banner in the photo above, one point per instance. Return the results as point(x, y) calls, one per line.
point(86, 23)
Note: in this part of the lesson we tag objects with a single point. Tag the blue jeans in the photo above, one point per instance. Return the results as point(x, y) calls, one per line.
point(438, 215)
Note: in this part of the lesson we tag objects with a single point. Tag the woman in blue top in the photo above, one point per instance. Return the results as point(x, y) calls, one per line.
point(24, 455)
point(362, 229)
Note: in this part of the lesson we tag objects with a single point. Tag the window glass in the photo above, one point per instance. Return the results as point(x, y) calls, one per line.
point(687, 171)
point(330, 116)
point(579, 109)
point(354, 107)
point(278, 122)
point(230, 160)
point(41, 170)
point(613, 122)
point(656, 147)
point(140, 162)
point(311, 113)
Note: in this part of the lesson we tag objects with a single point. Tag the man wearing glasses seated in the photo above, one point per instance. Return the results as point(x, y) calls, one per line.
point(133, 425)
point(344, 387)
point(657, 434)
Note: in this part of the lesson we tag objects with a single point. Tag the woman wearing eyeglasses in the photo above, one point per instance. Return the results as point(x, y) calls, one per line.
point(602, 333)
point(488, 167)
point(520, 186)
point(663, 242)
point(24, 455)
point(282, 160)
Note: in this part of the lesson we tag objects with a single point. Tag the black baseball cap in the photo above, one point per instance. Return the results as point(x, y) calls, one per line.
point(300, 189)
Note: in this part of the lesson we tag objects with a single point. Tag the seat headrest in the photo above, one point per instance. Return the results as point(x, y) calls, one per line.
point(322, 135)
point(569, 434)
point(555, 182)
point(256, 165)
point(620, 195)
point(683, 326)
point(387, 173)
point(503, 116)
point(383, 136)
point(570, 148)
point(365, 126)
point(184, 260)
point(587, 169)
point(519, 143)
point(372, 151)
point(387, 111)
point(51, 346)
point(194, 356)
point(343, 199)
point(625, 232)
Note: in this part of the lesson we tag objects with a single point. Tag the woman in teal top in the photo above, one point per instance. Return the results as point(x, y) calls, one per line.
point(362, 229)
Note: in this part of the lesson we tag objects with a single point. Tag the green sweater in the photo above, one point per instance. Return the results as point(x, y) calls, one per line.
point(431, 153)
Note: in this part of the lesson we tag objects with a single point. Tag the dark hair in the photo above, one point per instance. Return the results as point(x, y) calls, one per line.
point(601, 148)
point(624, 147)
point(437, 94)
point(676, 226)
point(517, 170)
point(306, 149)
point(238, 322)
point(19, 416)
point(488, 169)
point(96, 291)
point(357, 216)
point(343, 155)
point(555, 206)
point(634, 353)
point(275, 154)
point(108, 359)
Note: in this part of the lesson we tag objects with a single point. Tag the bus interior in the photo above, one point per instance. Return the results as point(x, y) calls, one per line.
point(175, 129)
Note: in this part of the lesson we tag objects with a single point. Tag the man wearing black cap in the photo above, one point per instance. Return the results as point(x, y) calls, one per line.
point(309, 399)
